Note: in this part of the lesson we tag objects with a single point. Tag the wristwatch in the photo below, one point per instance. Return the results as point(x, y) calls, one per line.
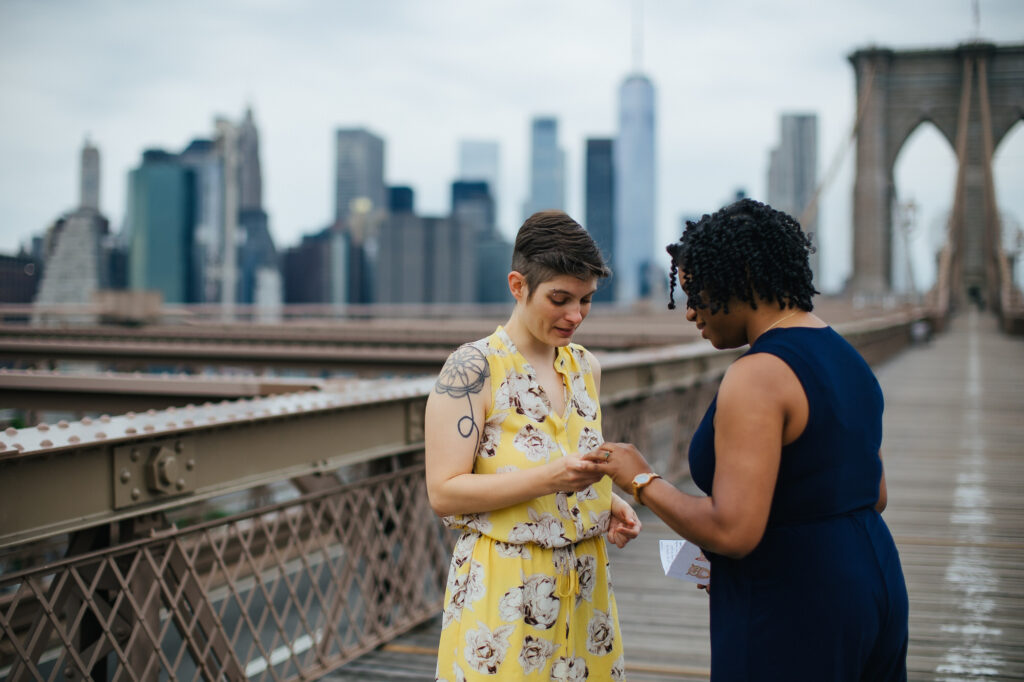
point(641, 481)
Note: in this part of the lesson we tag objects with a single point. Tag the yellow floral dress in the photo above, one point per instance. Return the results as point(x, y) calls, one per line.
point(529, 594)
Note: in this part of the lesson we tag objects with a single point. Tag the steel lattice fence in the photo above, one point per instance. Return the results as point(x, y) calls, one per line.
point(283, 592)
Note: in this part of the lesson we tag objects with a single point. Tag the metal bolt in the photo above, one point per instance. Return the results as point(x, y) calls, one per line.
point(43, 426)
point(190, 464)
point(69, 673)
point(180, 483)
point(125, 475)
point(136, 493)
point(179, 447)
point(135, 455)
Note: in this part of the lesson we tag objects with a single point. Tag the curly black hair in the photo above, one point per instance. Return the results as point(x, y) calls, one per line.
point(747, 251)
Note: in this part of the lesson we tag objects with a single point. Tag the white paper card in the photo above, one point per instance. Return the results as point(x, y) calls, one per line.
point(685, 561)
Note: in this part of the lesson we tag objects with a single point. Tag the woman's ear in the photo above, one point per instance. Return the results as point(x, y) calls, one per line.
point(517, 285)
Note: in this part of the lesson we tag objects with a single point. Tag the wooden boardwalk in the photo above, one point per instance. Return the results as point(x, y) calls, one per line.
point(954, 457)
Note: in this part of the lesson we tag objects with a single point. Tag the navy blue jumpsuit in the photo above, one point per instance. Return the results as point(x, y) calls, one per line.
point(822, 596)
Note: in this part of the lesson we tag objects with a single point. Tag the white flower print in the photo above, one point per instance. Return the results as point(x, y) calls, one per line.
point(562, 504)
point(589, 439)
point(479, 522)
point(581, 359)
point(600, 633)
point(518, 393)
point(619, 670)
point(491, 439)
point(465, 589)
point(509, 550)
point(535, 653)
point(601, 520)
point(534, 443)
point(586, 569)
point(534, 602)
point(506, 469)
point(587, 493)
point(581, 400)
point(544, 529)
point(569, 670)
point(486, 649)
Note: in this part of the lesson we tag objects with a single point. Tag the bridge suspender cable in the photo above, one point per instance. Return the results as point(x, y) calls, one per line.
point(811, 210)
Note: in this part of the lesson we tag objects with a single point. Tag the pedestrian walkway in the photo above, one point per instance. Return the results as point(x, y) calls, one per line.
point(954, 459)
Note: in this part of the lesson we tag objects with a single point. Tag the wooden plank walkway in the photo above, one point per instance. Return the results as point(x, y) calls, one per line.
point(954, 457)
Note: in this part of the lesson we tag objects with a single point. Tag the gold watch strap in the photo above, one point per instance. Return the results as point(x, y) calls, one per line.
point(638, 486)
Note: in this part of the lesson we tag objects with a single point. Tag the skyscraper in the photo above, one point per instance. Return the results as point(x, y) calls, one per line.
point(599, 198)
point(359, 172)
point(89, 194)
point(635, 191)
point(402, 257)
point(547, 168)
point(159, 219)
point(360, 206)
point(76, 251)
point(793, 171)
point(480, 160)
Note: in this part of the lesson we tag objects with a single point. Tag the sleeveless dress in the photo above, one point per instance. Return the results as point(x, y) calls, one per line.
point(529, 594)
point(822, 597)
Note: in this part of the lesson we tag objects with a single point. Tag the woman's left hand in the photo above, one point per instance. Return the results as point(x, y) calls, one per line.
point(621, 461)
point(624, 525)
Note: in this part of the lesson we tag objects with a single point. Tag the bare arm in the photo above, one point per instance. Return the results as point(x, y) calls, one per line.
point(454, 420)
point(754, 402)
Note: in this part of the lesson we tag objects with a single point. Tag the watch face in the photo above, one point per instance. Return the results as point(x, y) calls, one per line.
point(641, 479)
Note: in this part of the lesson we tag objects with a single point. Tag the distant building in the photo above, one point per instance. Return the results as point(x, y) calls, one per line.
point(308, 275)
point(19, 278)
point(161, 195)
point(402, 256)
point(76, 247)
point(359, 172)
point(635, 191)
point(451, 275)
point(599, 200)
point(793, 172)
point(208, 238)
point(547, 168)
point(481, 160)
point(360, 206)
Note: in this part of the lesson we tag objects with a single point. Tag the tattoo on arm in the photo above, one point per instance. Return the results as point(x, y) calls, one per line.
point(463, 375)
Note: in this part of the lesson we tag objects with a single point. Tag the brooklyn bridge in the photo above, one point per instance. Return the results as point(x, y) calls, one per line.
point(199, 498)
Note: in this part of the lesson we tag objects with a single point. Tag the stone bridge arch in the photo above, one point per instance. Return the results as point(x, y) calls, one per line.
point(973, 94)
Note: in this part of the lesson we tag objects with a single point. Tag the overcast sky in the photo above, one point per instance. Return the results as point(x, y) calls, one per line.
point(423, 74)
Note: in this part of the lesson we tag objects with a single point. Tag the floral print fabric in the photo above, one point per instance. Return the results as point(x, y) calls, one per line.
point(529, 593)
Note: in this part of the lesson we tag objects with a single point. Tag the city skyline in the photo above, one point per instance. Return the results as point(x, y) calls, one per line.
point(424, 77)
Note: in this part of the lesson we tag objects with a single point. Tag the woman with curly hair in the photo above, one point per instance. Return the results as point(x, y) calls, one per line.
point(528, 595)
point(806, 582)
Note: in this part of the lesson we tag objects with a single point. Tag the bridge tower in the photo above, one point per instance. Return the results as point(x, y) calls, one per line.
point(973, 94)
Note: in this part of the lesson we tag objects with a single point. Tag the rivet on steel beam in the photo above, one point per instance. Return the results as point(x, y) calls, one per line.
point(190, 406)
point(86, 421)
point(130, 415)
point(11, 431)
point(69, 672)
point(172, 425)
point(2, 447)
point(105, 418)
point(180, 484)
point(148, 428)
point(189, 422)
point(100, 435)
point(131, 430)
point(43, 426)
point(125, 475)
point(135, 454)
point(45, 444)
point(150, 412)
point(172, 408)
point(73, 439)
point(136, 493)
point(18, 446)
point(62, 424)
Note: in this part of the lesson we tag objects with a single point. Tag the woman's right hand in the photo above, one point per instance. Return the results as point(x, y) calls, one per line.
point(572, 473)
